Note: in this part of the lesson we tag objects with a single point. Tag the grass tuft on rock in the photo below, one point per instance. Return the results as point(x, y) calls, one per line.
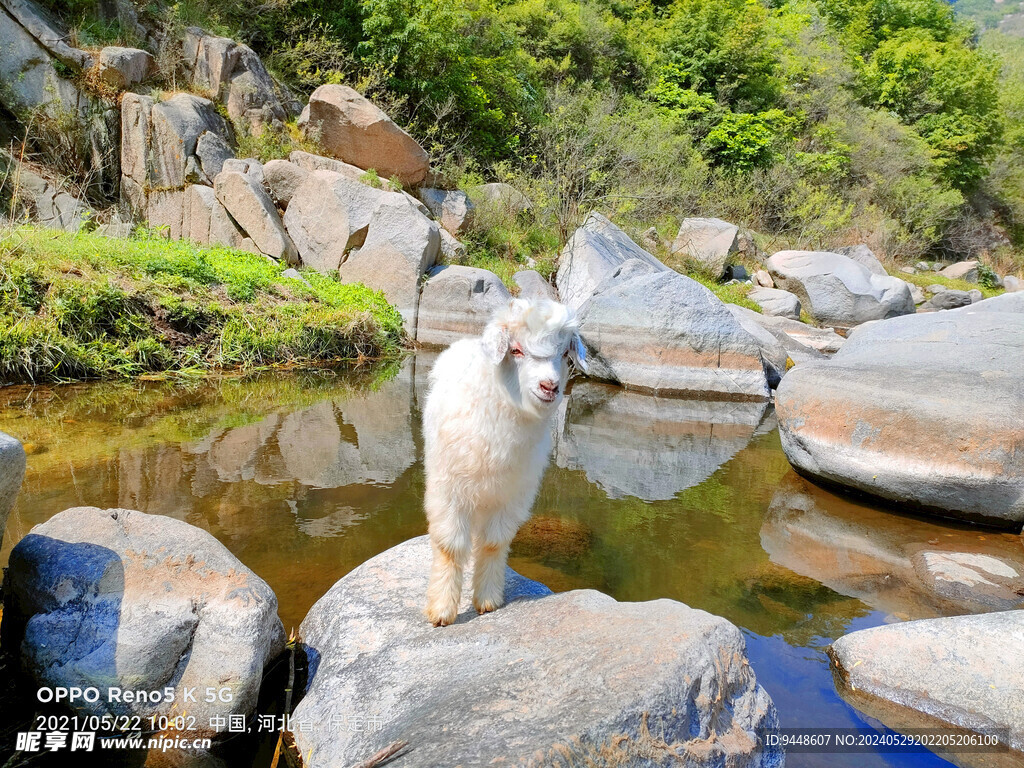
point(79, 306)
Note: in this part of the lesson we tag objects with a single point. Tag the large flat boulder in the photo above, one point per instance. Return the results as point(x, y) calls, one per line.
point(864, 256)
point(708, 242)
point(457, 302)
point(651, 448)
point(12, 471)
point(962, 270)
point(824, 340)
point(118, 598)
point(962, 670)
point(923, 411)
point(401, 245)
point(640, 683)
point(594, 252)
point(351, 128)
point(664, 333)
point(837, 290)
point(906, 566)
point(778, 348)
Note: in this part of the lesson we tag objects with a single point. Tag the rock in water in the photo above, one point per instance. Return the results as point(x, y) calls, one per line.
point(837, 290)
point(963, 670)
point(12, 471)
point(921, 410)
point(653, 683)
point(118, 598)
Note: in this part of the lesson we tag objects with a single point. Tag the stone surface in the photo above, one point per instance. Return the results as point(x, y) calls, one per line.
point(452, 209)
point(905, 566)
point(401, 245)
point(865, 257)
point(916, 293)
point(632, 444)
point(950, 299)
point(311, 162)
point(12, 470)
point(788, 347)
point(283, 178)
point(251, 207)
point(976, 295)
point(935, 288)
point(594, 252)
point(1013, 284)
point(665, 333)
point(962, 270)
point(501, 196)
point(213, 151)
point(507, 685)
point(837, 290)
point(351, 128)
point(123, 67)
point(963, 670)
point(533, 286)
point(763, 279)
point(920, 410)
point(116, 597)
point(451, 248)
point(776, 303)
point(457, 302)
point(206, 221)
point(1006, 302)
point(39, 199)
point(709, 242)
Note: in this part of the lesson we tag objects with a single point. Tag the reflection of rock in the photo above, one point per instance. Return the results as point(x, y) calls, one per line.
point(12, 470)
point(903, 565)
point(548, 680)
point(330, 524)
point(631, 444)
point(548, 536)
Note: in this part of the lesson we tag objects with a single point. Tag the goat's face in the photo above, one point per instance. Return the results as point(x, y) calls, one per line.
point(532, 343)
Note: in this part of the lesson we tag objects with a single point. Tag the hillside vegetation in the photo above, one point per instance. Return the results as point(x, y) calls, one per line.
point(812, 122)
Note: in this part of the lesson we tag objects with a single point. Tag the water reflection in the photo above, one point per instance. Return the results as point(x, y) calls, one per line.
point(908, 567)
point(630, 444)
point(305, 476)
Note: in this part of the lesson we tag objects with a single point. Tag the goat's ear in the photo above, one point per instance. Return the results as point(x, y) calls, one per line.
point(496, 342)
point(578, 353)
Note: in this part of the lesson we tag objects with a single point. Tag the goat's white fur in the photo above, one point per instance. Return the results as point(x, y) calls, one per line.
point(487, 435)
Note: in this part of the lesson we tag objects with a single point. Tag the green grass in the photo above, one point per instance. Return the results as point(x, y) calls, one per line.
point(85, 306)
point(924, 279)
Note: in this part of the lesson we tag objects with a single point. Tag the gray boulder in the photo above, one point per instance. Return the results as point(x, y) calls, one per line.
point(452, 209)
point(451, 249)
point(787, 346)
point(594, 252)
point(916, 293)
point(776, 303)
point(921, 410)
point(205, 220)
point(507, 684)
point(213, 151)
point(119, 598)
point(963, 670)
point(39, 199)
point(251, 207)
point(401, 245)
point(651, 448)
point(976, 295)
point(709, 242)
point(934, 288)
point(837, 290)
point(950, 299)
point(1005, 302)
point(122, 67)
point(283, 178)
point(665, 333)
point(533, 286)
point(351, 128)
point(457, 302)
point(311, 162)
point(962, 270)
point(763, 279)
point(1013, 284)
point(12, 471)
point(865, 257)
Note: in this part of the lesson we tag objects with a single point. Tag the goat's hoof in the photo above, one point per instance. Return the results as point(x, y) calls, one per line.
point(440, 617)
point(486, 606)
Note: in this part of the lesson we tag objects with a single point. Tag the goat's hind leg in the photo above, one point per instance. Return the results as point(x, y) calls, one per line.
point(451, 546)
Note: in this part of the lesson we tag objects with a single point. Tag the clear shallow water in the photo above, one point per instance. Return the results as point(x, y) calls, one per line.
point(304, 476)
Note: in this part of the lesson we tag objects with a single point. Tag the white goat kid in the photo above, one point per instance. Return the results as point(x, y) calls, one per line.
point(487, 432)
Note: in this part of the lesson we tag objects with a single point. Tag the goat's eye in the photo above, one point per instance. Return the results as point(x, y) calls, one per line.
point(566, 353)
point(517, 351)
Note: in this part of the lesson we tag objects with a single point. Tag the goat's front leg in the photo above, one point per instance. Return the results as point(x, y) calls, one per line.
point(489, 560)
point(450, 542)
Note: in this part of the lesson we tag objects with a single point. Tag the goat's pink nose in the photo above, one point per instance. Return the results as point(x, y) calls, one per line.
point(550, 386)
